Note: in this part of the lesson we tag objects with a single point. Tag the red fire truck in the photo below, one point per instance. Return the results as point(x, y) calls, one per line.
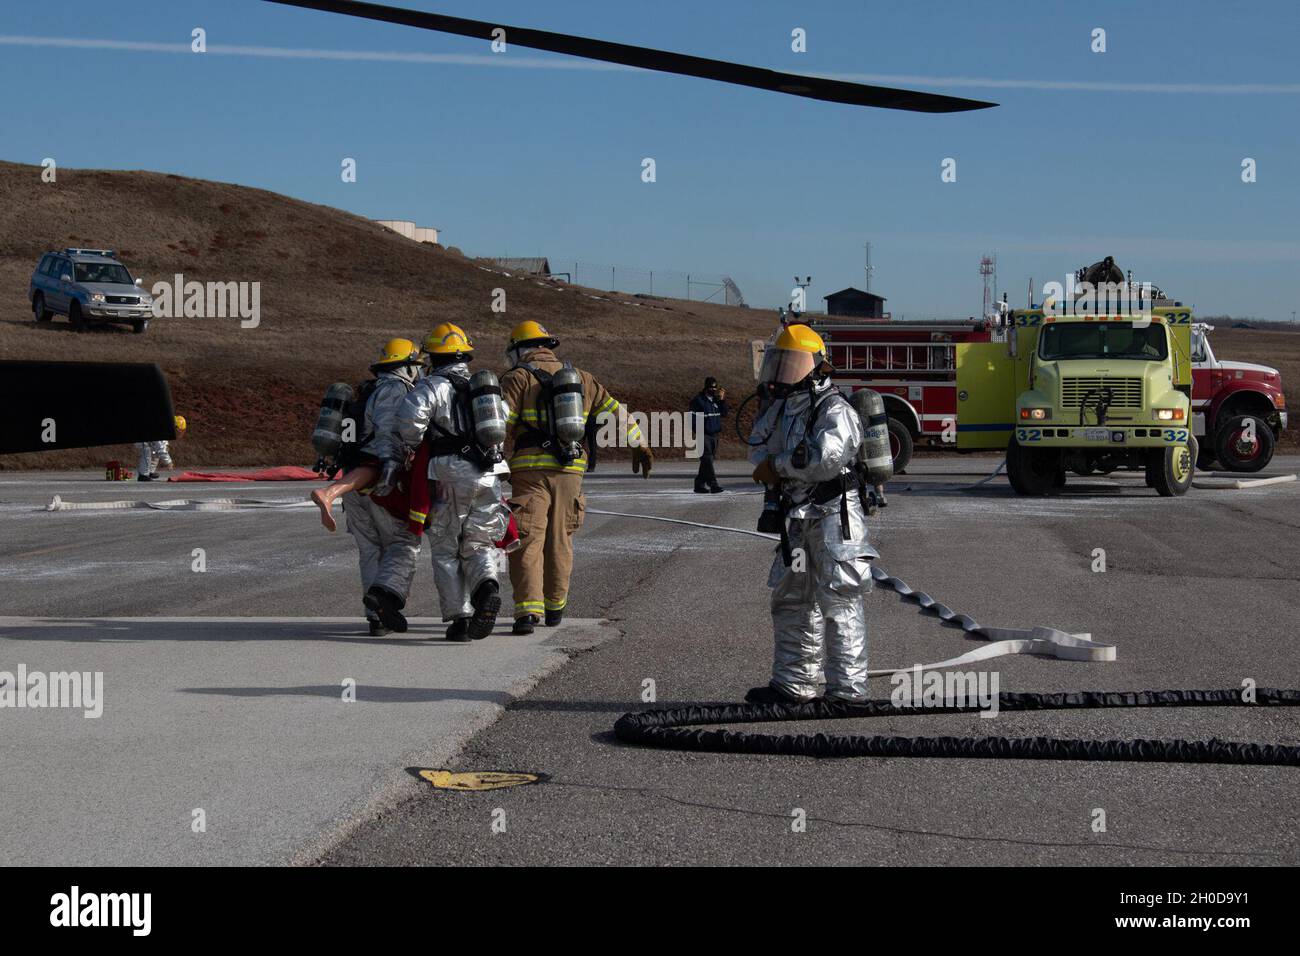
point(930, 376)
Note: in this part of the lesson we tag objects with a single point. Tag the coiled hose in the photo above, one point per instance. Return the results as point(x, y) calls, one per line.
point(671, 729)
point(678, 728)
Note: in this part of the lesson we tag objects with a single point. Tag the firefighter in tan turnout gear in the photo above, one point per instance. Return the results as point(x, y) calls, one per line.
point(806, 444)
point(550, 405)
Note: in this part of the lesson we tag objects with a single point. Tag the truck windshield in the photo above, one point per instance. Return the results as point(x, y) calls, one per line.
point(1088, 340)
point(108, 272)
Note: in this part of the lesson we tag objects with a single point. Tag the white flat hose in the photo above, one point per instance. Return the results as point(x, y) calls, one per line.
point(179, 504)
point(1004, 641)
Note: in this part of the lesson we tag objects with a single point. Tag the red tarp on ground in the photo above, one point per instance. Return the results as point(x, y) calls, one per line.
point(282, 473)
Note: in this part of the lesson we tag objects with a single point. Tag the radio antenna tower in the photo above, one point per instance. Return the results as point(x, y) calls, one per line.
point(989, 270)
point(869, 269)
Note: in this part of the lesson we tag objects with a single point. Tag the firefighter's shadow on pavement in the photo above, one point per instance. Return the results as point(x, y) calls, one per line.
point(365, 693)
point(127, 631)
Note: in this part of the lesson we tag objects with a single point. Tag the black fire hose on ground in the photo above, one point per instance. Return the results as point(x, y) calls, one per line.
point(669, 729)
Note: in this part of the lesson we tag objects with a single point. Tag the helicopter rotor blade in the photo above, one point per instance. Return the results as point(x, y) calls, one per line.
point(663, 61)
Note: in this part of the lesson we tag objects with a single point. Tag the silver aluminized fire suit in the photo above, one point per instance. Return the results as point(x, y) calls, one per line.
point(817, 610)
point(468, 515)
point(386, 547)
point(152, 456)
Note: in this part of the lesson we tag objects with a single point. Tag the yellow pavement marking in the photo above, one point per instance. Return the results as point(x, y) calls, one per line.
point(478, 779)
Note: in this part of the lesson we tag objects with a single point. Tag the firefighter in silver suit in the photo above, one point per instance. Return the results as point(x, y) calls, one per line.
point(387, 548)
point(805, 443)
point(468, 515)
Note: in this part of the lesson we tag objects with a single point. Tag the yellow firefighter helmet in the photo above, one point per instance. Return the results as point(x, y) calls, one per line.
point(396, 353)
point(448, 339)
point(797, 353)
point(532, 333)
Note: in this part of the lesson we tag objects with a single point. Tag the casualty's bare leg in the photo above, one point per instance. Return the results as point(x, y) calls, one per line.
point(323, 498)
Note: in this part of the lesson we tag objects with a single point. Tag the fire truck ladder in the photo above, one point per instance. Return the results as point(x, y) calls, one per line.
point(918, 357)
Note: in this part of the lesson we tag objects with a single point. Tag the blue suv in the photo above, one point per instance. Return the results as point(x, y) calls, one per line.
point(88, 286)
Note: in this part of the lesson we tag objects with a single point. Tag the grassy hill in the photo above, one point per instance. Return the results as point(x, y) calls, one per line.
point(334, 287)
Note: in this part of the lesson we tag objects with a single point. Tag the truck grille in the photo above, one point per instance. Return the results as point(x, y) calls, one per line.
point(122, 299)
point(1125, 392)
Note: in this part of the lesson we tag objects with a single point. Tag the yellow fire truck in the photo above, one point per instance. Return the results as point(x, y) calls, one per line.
point(1059, 390)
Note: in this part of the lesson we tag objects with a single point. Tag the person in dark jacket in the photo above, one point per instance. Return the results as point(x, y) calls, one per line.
point(711, 404)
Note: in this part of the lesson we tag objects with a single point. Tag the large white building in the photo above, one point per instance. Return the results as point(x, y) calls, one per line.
point(408, 228)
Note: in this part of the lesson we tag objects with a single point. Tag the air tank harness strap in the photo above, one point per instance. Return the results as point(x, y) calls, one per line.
point(449, 443)
point(827, 491)
point(453, 445)
point(529, 435)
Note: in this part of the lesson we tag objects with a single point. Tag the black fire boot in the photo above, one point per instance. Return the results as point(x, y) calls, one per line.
point(388, 606)
point(458, 630)
point(145, 478)
point(524, 625)
point(377, 629)
point(553, 618)
point(767, 694)
point(486, 601)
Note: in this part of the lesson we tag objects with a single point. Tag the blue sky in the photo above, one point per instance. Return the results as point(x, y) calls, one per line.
point(545, 159)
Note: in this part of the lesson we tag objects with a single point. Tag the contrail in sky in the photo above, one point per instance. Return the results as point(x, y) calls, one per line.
point(564, 63)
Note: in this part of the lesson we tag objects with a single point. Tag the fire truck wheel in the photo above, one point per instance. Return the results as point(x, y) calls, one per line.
point(1244, 443)
point(900, 445)
point(1032, 471)
point(1170, 470)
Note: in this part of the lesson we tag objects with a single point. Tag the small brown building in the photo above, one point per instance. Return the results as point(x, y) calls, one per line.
point(855, 303)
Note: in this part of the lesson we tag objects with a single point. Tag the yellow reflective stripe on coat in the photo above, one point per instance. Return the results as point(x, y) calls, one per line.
point(610, 406)
point(525, 462)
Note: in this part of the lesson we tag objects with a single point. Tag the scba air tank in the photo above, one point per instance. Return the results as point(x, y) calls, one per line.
point(487, 410)
point(874, 456)
point(568, 416)
point(327, 437)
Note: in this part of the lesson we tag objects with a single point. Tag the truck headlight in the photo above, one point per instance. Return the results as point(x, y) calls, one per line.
point(1035, 414)
point(146, 300)
point(96, 297)
point(1169, 414)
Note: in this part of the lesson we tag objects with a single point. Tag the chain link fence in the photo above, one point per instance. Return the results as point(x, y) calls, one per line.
point(669, 283)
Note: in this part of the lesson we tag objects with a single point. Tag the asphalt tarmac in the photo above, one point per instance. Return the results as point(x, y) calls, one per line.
point(243, 717)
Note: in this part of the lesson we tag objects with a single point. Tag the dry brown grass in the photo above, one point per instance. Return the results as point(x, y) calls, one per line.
point(334, 287)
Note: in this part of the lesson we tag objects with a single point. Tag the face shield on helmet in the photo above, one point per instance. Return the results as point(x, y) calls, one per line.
point(797, 358)
point(784, 368)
